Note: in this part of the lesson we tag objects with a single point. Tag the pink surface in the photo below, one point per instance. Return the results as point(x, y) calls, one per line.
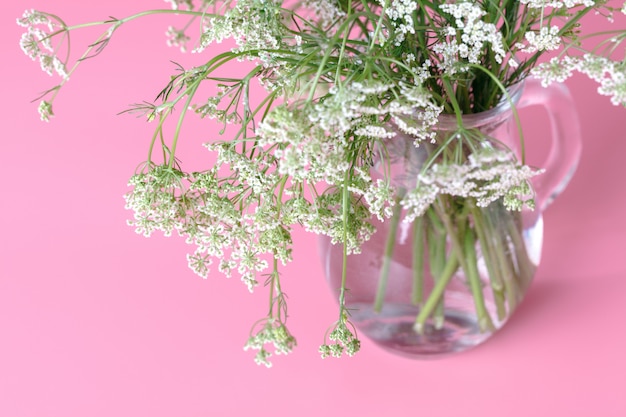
point(98, 321)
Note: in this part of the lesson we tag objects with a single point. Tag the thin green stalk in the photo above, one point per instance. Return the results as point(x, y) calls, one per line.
point(468, 265)
point(523, 262)
point(436, 294)
point(437, 251)
point(488, 249)
point(452, 97)
point(190, 93)
point(417, 293)
point(272, 288)
point(503, 261)
point(345, 212)
point(473, 277)
point(387, 256)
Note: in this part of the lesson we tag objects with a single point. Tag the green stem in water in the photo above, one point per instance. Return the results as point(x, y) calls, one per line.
point(437, 250)
point(488, 250)
point(503, 261)
point(436, 294)
point(467, 259)
point(417, 294)
point(387, 255)
point(484, 320)
point(522, 260)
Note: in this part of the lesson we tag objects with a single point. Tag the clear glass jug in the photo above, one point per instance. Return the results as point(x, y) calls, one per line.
point(451, 281)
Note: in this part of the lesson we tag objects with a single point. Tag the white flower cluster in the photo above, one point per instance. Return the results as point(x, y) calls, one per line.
point(200, 210)
point(547, 39)
point(253, 24)
point(272, 332)
point(312, 144)
point(557, 4)
point(401, 13)
point(45, 110)
point(36, 42)
point(177, 38)
point(474, 35)
point(314, 139)
point(342, 340)
point(324, 12)
point(487, 176)
point(613, 83)
point(180, 4)
point(555, 70)
point(609, 74)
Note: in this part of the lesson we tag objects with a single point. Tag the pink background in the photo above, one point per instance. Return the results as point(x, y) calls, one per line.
point(98, 321)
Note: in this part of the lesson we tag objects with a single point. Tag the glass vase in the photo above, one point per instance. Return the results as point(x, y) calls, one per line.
point(447, 280)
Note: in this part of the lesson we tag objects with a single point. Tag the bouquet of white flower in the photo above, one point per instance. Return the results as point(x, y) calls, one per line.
point(352, 90)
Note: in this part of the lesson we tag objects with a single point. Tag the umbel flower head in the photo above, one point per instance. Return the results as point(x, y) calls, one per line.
point(340, 81)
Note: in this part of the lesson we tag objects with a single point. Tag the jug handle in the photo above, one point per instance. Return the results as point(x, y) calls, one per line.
point(566, 146)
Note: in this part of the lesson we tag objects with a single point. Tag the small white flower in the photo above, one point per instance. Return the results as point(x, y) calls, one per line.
point(374, 132)
point(32, 18)
point(547, 39)
point(325, 12)
point(614, 85)
point(557, 4)
point(177, 38)
point(595, 67)
point(488, 175)
point(555, 70)
point(45, 111)
point(180, 4)
point(475, 33)
point(30, 45)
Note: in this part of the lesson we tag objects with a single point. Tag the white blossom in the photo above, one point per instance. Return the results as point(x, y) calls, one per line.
point(488, 175)
point(45, 110)
point(475, 34)
point(180, 4)
point(177, 38)
point(557, 4)
point(547, 39)
point(325, 12)
point(614, 85)
point(555, 70)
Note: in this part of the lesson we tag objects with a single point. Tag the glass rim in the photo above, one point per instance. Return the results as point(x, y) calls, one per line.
point(496, 114)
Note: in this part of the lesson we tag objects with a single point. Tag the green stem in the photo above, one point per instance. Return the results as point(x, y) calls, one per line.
point(438, 252)
point(522, 260)
point(488, 250)
point(190, 93)
point(467, 260)
point(418, 261)
point(345, 212)
point(452, 97)
point(506, 269)
point(387, 256)
point(436, 294)
point(473, 277)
